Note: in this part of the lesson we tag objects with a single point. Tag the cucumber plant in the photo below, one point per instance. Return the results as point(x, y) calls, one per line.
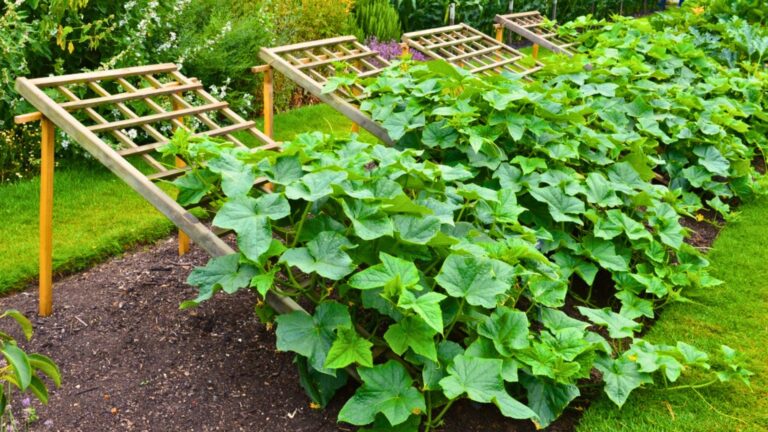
point(460, 264)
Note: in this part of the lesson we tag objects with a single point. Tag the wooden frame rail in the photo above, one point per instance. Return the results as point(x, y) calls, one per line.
point(469, 48)
point(312, 64)
point(122, 113)
point(530, 26)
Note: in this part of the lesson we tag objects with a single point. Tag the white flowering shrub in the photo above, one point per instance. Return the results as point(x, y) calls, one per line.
point(44, 37)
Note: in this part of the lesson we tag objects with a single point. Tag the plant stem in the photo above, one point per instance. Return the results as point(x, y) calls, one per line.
point(443, 411)
point(456, 319)
point(301, 224)
point(693, 386)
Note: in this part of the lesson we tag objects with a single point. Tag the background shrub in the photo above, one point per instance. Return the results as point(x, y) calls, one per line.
point(218, 42)
point(423, 14)
point(55, 37)
point(377, 18)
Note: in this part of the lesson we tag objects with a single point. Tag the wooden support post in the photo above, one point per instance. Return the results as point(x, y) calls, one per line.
point(47, 144)
point(269, 102)
point(499, 32)
point(535, 51)
point(185, 243)
point(405, 49)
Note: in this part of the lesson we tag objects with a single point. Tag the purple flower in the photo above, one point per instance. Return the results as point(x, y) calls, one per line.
point(392, 50)
point(26, 403)
point(48, 423)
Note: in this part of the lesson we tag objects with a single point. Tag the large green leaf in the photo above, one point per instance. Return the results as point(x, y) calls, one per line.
point(44, 364)
point(286, 170)
point(368, 220)
point(249, 218)
point(439, 134)
point(312, 336)
point(223, 272)
point(711, 158)
point(600, 192)
point(604, 253)
point(562, 207)
point(315, 186)
point(323, 255)
point(399, 123)
point(556, 321)
point(237, 177)
point(548, 292)
point(21, 320)
point(512, 408)
point(349, 348)
point(412, 332)
point(386, 389)
point(427, 306)
point(19, 364)
point(547, 398)
point(194, 186)
point(619, 326)
point(471, 278)
point(392, 273)
point(484, 348)
point(621, 376)
point(507, 328)
point(504, 210)
point(38, 388)
point(479, 378)
point(416, 229)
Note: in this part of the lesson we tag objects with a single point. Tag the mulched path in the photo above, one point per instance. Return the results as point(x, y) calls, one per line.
point(131, 360)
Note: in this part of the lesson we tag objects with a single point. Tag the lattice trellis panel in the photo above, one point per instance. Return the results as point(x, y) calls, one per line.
point(530, 25)
point(135, 110)
point(311, 64)
point(119, 113)
point(464, 46)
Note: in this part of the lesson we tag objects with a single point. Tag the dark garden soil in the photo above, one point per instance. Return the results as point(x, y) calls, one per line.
point(131, 360)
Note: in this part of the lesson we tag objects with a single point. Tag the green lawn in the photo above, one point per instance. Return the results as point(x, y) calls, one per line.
point(735, 314)
point(96, 215)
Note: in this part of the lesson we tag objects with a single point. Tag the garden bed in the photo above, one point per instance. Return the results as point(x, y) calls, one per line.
point(132, 361)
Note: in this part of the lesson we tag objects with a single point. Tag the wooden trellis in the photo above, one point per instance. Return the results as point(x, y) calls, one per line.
point(464, 46)
point(530, 25)
point(311, 64)
point(117, 114)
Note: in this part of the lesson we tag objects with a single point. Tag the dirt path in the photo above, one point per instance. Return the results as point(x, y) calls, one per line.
point(131, 360)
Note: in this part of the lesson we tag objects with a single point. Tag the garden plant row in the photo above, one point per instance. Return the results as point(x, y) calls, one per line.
point(460, 263)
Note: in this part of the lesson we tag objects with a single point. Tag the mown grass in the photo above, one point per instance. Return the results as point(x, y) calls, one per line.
point(97, 216)
point(734, 314)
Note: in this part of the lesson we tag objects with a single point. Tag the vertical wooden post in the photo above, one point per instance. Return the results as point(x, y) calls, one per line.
point(499, 32)
point(405, 49)
point(535, 51)
point(269, 102)
point(185, 243)
point(47, 149)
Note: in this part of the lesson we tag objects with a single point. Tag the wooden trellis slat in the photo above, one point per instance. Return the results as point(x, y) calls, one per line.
point(529, 26)
point(125, 97)
point(73, 115)
point(466, 47)
point(311, 64)
point(123, 124)
point(147, 148)
point(101, 75)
